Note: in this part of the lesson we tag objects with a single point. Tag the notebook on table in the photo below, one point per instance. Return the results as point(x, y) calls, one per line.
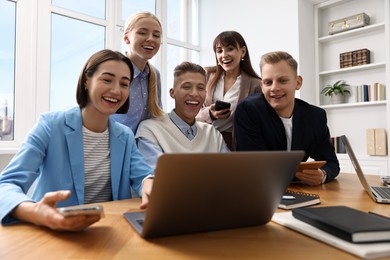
point(366, 250)
point(347, 223)
point(214, 191)
point(380, 194)
point(296, 199)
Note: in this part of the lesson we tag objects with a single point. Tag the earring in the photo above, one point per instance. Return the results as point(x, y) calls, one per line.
point(242, 59)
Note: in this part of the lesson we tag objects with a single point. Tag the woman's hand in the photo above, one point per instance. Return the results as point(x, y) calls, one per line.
point(44, 213)
point(146, 190)
point(220, 114)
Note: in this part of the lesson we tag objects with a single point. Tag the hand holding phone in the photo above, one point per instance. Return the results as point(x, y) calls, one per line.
point(81, 210)
point(220, 105)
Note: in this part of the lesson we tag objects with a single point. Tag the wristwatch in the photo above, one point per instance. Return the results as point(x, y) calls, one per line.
point(325, 175)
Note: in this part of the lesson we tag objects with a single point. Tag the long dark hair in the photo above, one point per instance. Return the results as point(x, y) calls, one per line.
point(90, 68)
point(235, 39)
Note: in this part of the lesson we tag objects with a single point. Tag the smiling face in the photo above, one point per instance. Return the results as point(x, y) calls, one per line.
point(229, 57)
point(279, 83)
point(144, 40)
point(108, 88)
point(189, 92)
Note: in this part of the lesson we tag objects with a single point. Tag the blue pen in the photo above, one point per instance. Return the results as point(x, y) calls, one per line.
point(287, 197)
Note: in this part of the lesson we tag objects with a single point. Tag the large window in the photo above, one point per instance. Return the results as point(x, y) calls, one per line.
point(96, 8)
point(181, 38)
point(130, 7)
point(41, 60)
point(73, 41)
point(7, 68)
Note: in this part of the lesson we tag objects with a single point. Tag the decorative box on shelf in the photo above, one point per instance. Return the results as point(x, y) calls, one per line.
point(348, 23)
point(354, 58)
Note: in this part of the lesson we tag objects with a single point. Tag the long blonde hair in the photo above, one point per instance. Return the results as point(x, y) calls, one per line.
point(154, 108)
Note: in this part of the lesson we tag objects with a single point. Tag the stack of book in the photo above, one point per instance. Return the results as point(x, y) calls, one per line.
point(347, 223)
point(354, 58)
point(366, 235)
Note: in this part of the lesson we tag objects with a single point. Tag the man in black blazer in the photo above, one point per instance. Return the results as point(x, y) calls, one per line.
point(276, 120)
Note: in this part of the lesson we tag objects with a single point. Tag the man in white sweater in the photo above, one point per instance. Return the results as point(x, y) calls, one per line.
point(178, 131)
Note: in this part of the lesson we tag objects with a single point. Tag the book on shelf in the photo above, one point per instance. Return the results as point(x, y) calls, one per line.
point(367, 93)
point(381, 91)
point(297, 199)
point(370, 141)
point(338, 144)
point(347, 223)
point(362, 250)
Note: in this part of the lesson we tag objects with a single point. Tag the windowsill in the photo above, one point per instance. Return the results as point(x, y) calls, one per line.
point(8, 150)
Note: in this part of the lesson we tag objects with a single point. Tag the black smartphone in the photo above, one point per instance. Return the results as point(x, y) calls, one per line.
point(219, 105)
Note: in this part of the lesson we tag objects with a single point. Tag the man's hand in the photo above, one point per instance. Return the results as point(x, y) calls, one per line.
point(310, 176)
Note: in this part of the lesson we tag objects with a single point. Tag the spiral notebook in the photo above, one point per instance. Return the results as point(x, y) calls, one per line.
point(297, 199)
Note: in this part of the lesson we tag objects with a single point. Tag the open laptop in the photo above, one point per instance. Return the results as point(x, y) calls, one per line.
point(380, 194)
point(213, 191)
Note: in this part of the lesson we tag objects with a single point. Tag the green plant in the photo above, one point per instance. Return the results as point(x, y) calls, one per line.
point(339, 87)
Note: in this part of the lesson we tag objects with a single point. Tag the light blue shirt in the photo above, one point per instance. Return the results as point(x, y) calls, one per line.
point(139, 93)
point(181, 124)
point(151, 151)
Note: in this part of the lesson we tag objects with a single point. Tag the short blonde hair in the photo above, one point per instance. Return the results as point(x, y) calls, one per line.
point(277, 56)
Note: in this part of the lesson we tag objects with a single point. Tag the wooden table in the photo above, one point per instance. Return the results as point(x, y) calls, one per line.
point(114, 238)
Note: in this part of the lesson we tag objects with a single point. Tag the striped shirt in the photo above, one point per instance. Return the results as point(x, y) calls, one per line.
point(97, 178)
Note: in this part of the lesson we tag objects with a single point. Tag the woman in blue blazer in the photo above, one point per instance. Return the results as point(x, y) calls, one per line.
point(78, 156)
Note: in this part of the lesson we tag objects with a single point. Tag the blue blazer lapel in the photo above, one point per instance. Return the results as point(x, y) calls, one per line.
point(117, 154)
point(74, 139)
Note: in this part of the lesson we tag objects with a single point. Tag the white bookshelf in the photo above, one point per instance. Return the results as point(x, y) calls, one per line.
point(371, 165)
point(353, 118)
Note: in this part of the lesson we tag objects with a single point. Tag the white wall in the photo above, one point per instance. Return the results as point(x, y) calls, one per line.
point(306, 57)
point(265, 25)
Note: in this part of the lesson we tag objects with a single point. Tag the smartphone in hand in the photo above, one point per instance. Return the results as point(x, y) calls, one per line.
point(81, 210)
point(314, 165)
point(219, 105)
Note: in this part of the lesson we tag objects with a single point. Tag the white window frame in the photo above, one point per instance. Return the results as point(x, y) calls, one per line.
point(32, 64)
point(161, 58)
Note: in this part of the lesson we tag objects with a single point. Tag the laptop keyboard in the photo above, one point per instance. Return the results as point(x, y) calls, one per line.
point(383, 191)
